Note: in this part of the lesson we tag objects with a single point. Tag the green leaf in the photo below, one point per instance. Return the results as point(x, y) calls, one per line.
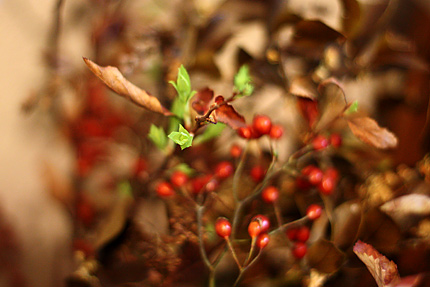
point(183, 85)
point(243, 81)
point(185, 168)
point(353, 108)
point(212, 131)
point(158, 136)
point(182, 137)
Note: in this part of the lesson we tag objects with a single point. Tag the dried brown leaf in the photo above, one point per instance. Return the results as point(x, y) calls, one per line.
point(408, 209)
point(368, 130)
point(325, 257)
point(304, 87)
point(348, 217)
point(383, 270)
point(309, 110)
point(113, 78)
point(201, 100)
point(228, 115)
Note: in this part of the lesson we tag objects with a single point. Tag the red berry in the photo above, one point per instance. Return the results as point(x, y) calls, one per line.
point(164, 189)
point(244, 132)
point(235, 151)
point(270, 194)
point(313, 174)
point(263, 240)
point(329, 181)
point(299, 250)
point(276, 132)
point(262, 124)
point(254, 229)
point(139, 166)
point(320, 142)
point(223, 227)
point(255, 134)
point(257, 173)
point(303, 234)
point(212, 185)
point(264, 222)
point(199, 183)
point(314, 211)
point(224, 169)
point(178, 178)
point(335, 140)
point(292, 233)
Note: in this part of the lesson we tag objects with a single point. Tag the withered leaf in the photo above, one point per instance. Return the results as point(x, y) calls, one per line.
point(408, 209)
point(201, 100)
point(228, 115)
point(304, 87)
point(113, 78)
point(332, 103)
point(348, 217)
point(325, 257)
point(383, 270)
point(368, 130)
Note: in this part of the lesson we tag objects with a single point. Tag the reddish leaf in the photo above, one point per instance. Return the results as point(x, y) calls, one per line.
point(201, 100)
point(383, 270)
point(113, 78)
point(308, 109)
point(368, 130)
point(228, 115)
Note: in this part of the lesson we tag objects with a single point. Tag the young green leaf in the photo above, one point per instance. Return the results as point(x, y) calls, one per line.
point(243, 81)
point(158, 136)
point(353, 108)
point(183, 85)
point(182, 137)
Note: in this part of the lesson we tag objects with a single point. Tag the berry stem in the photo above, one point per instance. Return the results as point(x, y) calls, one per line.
point(242, 272)
point(199, 212)
point(238, 173)
point(230, 246)
point(251, 250)
point(277, 213)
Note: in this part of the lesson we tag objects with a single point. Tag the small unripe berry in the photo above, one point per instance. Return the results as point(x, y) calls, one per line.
point(270, 194)
point(263, 240)
point(264, 222)
point(276, 132)
point(254, 229)
point(164, 189)
point(244, 132)
point(178, 178)
point(335, 140)
point(224, 169)
point(235, 151)
point(223, 227)
point(257, 173)
point(314, 211)
point(320, 142)
point(303, 234)
point(262, 124)
point(299, 250)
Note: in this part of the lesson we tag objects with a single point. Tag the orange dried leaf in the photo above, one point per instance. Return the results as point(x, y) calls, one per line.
point(368, 130)
point(113, 78)
point(383, 270)
point(304, 87)
point(228, 115)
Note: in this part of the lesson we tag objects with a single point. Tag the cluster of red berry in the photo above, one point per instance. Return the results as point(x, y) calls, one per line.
point(325, 181)
point(261, 125)
point(206, 182)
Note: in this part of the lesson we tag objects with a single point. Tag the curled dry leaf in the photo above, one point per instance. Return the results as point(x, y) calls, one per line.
point(228, 115)
point(368, 130)
point(304, 87)
point(325, 257)
point(383, 270)
point(201, 100)
point(408, 209)
point(113, 78)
